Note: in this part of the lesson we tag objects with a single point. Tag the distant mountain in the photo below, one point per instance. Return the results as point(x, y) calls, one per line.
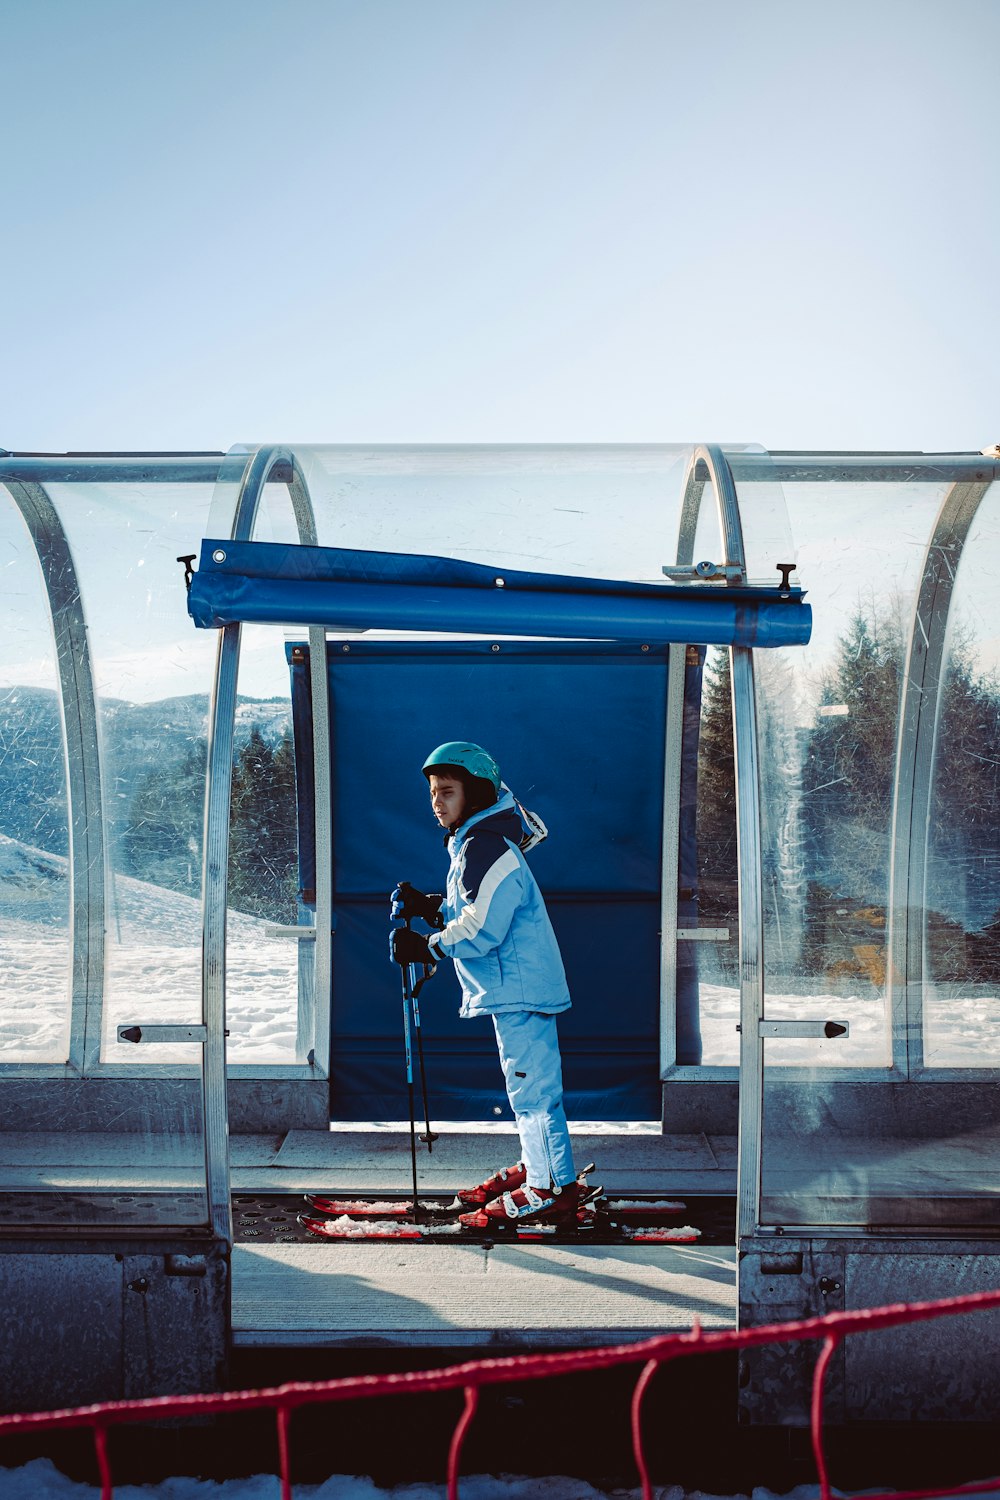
point(138, 740)
point(33, 885)
point(34, 894)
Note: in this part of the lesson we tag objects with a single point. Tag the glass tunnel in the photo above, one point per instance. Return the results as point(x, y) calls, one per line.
point(754, 696)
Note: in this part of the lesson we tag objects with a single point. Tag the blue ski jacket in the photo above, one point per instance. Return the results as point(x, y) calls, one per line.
point(496, 928)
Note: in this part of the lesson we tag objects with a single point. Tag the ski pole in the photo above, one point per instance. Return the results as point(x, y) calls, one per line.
point(415, 984)
point(407, 1002)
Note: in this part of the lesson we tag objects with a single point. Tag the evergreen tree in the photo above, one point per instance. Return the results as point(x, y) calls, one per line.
point(848, 779)
point(848, 771)
point(162, 842)
point(716, 822)
point(784, 868)
point(783, 865)
point(962, 869)
point(263, 839)
point(968, 752)
point(840, 835)
point(983, 953)
point(847, 784)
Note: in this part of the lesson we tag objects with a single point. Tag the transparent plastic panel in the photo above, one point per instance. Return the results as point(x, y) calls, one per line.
point(605, 511)
point(718, 889)
point(826, 801)
point(269, 967)
point(961, 949)
point(35, 895)
point(828, 723)
point(262, 950)
point(764, 517)
point(153, 678)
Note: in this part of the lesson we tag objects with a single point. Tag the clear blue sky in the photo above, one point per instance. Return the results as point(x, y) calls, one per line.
point(471, 220)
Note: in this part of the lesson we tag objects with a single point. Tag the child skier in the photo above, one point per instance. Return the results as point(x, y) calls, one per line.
point(493, 924)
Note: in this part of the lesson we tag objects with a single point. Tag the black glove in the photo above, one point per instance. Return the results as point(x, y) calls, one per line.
point(408, 902)
point(409, 947)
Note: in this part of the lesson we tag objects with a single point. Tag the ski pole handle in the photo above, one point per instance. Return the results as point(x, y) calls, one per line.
point(429, 970)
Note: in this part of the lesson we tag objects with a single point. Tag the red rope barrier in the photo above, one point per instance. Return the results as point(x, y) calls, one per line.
point(648, 1371)
point(103, 1464)
point(458, 1438)
point(830, 1347)
point(831, 1328)
point(283, 1416)
point(496, 1371)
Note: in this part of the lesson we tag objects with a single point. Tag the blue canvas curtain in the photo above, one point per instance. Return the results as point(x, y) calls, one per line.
point(578, 732)
point(278, 584)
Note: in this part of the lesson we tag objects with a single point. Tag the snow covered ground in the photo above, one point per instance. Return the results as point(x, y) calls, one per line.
point(153, 939)
point(154, 975)
point(40, 1480)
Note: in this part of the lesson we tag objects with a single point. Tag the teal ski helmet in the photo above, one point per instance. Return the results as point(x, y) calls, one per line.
point(463, 756)
point(473, 766)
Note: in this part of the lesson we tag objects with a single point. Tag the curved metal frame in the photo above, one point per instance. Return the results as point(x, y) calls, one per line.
point(78, 705)
point(87, 862)
point(919, 717)
point(258, 468)
point(710, 465)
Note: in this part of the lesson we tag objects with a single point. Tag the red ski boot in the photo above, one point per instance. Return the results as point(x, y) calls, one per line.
point(527, 1205)
point(503, 1181)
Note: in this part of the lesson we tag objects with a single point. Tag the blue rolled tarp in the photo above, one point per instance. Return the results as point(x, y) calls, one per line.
point(283, 584)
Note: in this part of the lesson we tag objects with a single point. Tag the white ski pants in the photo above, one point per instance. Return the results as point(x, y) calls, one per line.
point(532, 1068)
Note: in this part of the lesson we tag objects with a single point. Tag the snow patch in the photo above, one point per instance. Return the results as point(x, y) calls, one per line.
point(41, 1480)
point(153, 956)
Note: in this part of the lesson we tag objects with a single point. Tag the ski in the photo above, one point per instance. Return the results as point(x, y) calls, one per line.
point(619, 1210)
point(381, 1208)
point(598, 1218)
point(638, 1209)
point(269, 1218)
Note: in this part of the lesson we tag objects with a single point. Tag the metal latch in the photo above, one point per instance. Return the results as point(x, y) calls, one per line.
point(704, 572)
point(145, 1033)
point(828, 1029)
point(298, 934)
point(710, 572)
